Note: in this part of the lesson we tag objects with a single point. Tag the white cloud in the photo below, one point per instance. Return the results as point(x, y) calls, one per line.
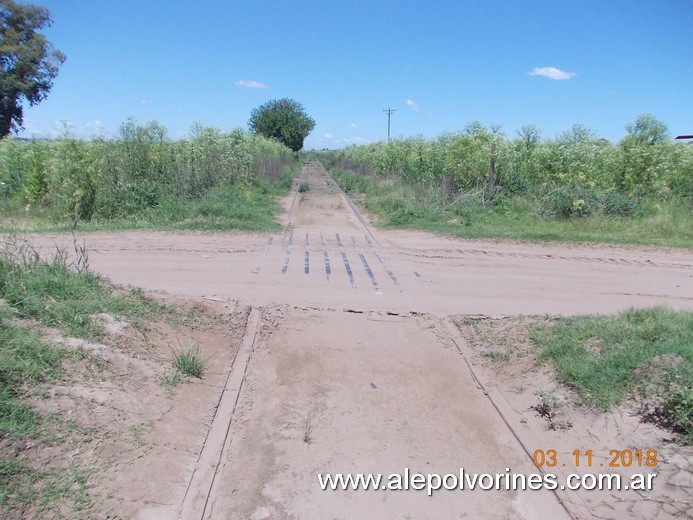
point(246, 83)
point(417, 108)
point(354, 125)
point(328, 136)
point(144, 101)
point(552, 73)
point(414, 105)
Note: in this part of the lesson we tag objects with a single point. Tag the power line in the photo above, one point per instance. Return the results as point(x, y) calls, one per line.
point(389, 113)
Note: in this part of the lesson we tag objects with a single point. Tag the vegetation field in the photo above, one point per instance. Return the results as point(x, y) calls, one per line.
point(215, 180)
point(576, 187)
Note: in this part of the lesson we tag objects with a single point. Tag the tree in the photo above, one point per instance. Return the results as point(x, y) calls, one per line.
point(284, 120)
point(576, 135)
point(641, 150)
point(28, 62)
point(647, 129)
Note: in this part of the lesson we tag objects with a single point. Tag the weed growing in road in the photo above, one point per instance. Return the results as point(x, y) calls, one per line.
point(548, 405)
point(137, 431)
point(308, 431)
point(303, 187)
point(173, 379)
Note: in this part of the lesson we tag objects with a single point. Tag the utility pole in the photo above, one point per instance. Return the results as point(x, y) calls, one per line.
point(389, 113)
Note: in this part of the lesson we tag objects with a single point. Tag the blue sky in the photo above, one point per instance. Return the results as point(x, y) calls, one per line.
point(440, 64)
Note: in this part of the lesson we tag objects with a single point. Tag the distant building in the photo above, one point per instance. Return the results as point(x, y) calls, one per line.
point(689, 137)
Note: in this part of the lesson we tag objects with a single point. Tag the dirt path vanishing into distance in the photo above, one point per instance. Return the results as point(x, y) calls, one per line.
point(357, 350)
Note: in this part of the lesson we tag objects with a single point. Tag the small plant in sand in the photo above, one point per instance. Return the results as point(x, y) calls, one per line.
point(496, 355)
point(173, 379)
point(188, 362)
point(308, 431)
point(548, 405)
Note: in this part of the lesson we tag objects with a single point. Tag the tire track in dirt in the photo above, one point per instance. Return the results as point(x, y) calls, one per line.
point(312, 173)
point(533, 256)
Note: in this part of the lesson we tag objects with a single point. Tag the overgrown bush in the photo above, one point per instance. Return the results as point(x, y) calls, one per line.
point(400, 213)
point(567, 202)
point(350, 183)
point(136, 172)
point(619, 205)
point(639, 166)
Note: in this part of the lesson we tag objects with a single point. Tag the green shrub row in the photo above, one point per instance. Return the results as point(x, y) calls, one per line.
point(645, 163)
point(136, 172)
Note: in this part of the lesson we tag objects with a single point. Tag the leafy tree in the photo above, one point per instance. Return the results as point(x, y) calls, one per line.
point(530, 137)
point(641, 149)
point(28, 62)
point(284, 120)
point(576, 135)
point(647, 129)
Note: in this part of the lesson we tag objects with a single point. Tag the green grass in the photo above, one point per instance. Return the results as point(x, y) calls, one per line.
point(664, 223)
point(229, 207)
point(23, 490)
point(25, 362)
point(53, 293)
point(174, 379)
point(247, 209)
point(35, 291)
point(497, 356)
point(607, 359)
point(188, 362)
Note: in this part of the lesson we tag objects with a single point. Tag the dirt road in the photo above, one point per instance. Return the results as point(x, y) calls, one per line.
point(330, 257)
point(351, 364)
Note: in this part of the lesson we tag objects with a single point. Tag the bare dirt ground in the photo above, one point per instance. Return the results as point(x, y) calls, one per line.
point(336, 348)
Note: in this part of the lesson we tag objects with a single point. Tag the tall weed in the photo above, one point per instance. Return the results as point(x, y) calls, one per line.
point(129, 177)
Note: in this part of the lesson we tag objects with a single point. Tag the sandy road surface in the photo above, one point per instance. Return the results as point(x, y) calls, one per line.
point(328, 258)
point(349, 364)
point(379, 394)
